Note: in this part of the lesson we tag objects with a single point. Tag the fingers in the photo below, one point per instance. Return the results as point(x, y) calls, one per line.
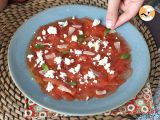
point(112, 13)
point(128, 13)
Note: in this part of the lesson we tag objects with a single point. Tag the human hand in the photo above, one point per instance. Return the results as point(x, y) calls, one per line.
point(129, 8)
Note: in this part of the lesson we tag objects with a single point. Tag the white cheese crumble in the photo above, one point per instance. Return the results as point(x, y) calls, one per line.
point(80, 32)
point(58, 60)
point(94, 81)
point(63, 24)
point(67, 61)
point(59, 67)
point(62, 75)
point(39, 59)
point(65, 35)
point(87, 98)
point(71, 51)
point(39, 38)
point(61, 41)
point(52, 30)
point(30, 56)
point(95, 44)
point(72, 60)
point(49, 74)
point(46, 51)
point(103, 61)
point(96, 22)
point(49, 87)
point(108, 54)
point(75, 69)
point(105, 43)
point(43, 32)
point(89, 75)
point(74, 38)
point(73, 17)
point(78, 52)
point(97, 57)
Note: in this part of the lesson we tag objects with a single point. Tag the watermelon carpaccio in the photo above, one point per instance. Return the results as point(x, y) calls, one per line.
point(78, 58)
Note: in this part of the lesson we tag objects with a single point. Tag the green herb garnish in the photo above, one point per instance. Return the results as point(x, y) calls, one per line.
point(80, 39)
point(72, 83)
point(106, 31)
point(38, 46)
point(45, 67)
point(125, 56)
point(65, 52)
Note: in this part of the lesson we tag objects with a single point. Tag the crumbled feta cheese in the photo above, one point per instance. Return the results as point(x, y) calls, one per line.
point(97, 57)
point(46, 51)
point(63, 24)
point(105, 43)
point(87, 98)
point(72, 60)
point(89, 75)
point(39, 38)
point(94, 81)
point(52, 30)
point(78, 52)
point(103, 61)
point(73, 17)
point(67, 61)
point(43, 38)
point(80, 32)
point(39, 59)
point(74, 38)
point(58, 60)
point(84, 43)
point(49, 74)
point(95, 44)
point(71, 51)
point(107, 66)
point(111, 72)
point(59, 67)
point(110, 47)
point(108, 54)
point(94, 63)
point(49, 87)
point(62, 75)
point(43, 32)
point(65, 35)
point(75, 70)
point(79, 89)
point(30, 57)
point(96, 22)
point(61, 41)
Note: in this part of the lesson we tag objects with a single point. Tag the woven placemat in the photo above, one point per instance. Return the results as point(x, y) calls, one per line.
point(12, 101)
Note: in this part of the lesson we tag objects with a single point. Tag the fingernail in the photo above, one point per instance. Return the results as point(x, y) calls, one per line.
point(109, 24)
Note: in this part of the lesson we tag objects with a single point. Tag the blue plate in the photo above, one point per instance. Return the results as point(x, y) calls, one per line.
point(23, 79)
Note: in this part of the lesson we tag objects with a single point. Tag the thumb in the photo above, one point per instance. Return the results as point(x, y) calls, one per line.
point(112, 13)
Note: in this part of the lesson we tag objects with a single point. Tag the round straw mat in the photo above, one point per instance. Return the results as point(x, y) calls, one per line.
point(12, 101)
